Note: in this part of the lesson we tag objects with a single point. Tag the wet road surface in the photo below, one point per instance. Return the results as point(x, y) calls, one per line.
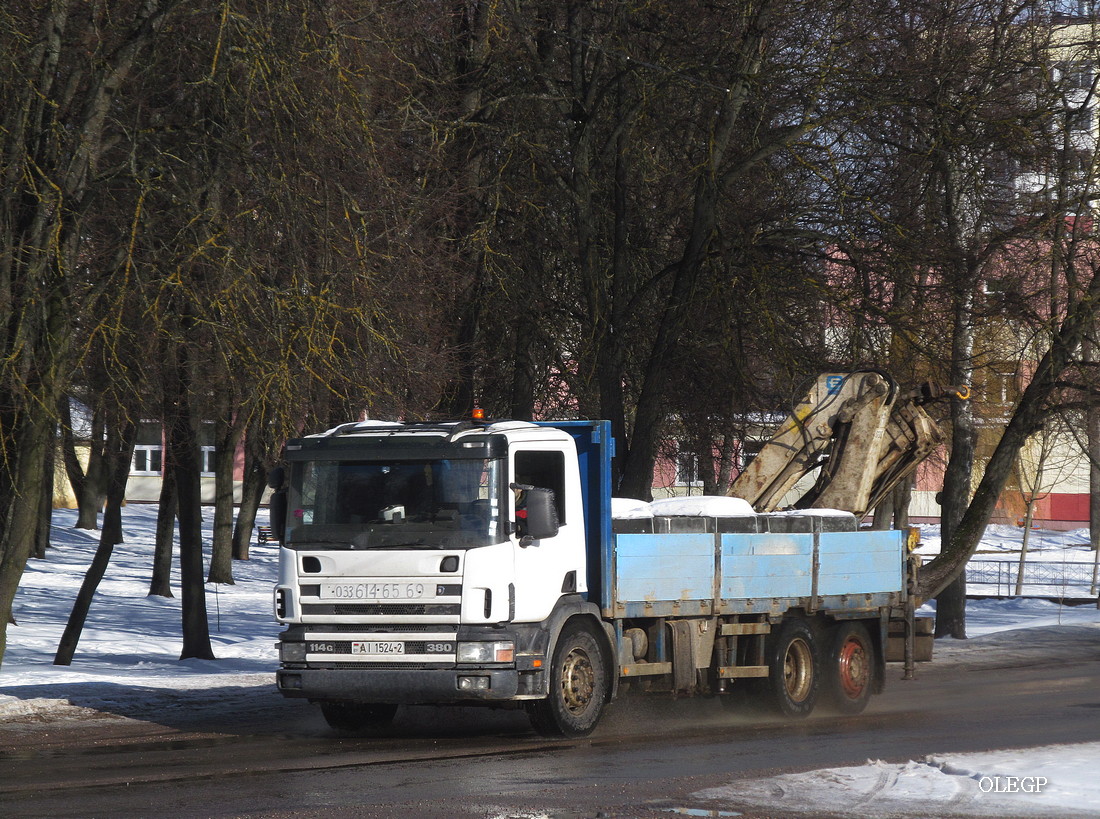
point(251, 753)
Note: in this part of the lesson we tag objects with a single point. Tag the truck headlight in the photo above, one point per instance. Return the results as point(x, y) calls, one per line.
point(485, 652)
point(292, 652)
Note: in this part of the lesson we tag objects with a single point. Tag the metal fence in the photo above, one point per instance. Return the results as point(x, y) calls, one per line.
point(1040, 579)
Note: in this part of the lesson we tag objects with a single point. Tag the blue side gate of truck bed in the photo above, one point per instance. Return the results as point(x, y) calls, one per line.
point(668, 574)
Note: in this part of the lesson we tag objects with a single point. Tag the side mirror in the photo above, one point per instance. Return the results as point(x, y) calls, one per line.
point(277, 506)
point(542, 513)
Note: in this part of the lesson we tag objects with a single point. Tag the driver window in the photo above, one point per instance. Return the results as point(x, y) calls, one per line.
point(545, 470)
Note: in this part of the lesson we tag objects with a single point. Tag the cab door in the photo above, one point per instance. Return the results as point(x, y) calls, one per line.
point(548, 567)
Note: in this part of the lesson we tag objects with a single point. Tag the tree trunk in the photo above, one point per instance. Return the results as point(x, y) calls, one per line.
point(45, 503)
point(252, 491)
point(227, 436)
point(893, 512)
point(161, 582)
point(1093, 430)
point(1094, 475)
point(951, 609)
point(522, 401)
point(955, 497)
point(120, 450)
point(259, 454)
point(183, 454)
point(473, 34)
point(903, 497)
point(31, 436)
point(884, 513)
point(87, 483)
point(1023, 546)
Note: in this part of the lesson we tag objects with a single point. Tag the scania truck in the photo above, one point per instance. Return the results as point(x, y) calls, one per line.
point(480, 563)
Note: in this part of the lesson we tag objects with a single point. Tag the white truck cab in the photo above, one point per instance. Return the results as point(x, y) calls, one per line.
point(428, 563)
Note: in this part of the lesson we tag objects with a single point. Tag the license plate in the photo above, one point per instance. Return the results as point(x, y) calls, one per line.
point(377, 647)
point(373, 591)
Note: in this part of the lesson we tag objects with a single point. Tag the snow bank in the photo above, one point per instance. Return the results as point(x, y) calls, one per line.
point(712, 506)
point(824, 513)
point(629, 509)
point(1048, 781)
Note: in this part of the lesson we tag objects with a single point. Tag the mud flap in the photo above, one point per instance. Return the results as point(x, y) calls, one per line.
point(692, 647)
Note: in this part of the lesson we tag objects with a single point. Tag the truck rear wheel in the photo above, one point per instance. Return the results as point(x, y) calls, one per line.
point(347, 716)
point(851, 668)
point(578, 687)
point(793, 676)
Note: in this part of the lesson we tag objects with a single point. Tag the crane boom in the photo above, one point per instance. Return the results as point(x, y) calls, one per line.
point(863, 433)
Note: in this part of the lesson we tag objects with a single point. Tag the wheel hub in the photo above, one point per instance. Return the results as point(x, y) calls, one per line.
point(578, 681)
point(798, 670)
point(854, 670)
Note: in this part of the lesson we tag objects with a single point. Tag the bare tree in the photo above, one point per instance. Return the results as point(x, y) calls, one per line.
point(121, 435)
point(57, 127)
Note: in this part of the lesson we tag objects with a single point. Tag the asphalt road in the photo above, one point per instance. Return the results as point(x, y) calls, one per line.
point(250, 753)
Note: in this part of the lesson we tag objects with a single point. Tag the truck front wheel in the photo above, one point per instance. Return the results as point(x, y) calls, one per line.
point(355, 717)
point(793, 677)
point(578, 687)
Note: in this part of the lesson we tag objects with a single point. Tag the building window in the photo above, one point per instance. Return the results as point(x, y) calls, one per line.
point(206, 448)
point(687, 469)
point(149, 450)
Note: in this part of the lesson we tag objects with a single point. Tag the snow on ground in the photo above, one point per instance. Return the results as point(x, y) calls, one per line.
point(130, 644)
point(1053, 781)
point(1058, 564)
point(702, 505)
point(1003, 542)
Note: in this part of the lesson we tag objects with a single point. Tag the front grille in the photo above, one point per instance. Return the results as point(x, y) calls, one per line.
point(383, 608)
point(360, 628)
point(383, 666)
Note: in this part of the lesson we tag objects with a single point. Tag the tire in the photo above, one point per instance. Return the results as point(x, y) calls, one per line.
point(793, 670)
point(578, 687)
point(851, 668)
point(358, 717)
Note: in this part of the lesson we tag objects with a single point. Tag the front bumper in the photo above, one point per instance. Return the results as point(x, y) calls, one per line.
point(410, 686)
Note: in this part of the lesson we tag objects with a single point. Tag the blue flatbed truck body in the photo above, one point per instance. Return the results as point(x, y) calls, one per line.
point(672, 566)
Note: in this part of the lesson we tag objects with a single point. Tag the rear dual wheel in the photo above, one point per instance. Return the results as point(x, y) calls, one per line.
point(801, 670)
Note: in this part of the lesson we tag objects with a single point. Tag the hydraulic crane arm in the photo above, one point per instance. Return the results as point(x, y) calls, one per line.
point(863, 433)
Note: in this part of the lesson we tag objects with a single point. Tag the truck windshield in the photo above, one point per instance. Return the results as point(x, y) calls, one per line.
point(401, 504)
